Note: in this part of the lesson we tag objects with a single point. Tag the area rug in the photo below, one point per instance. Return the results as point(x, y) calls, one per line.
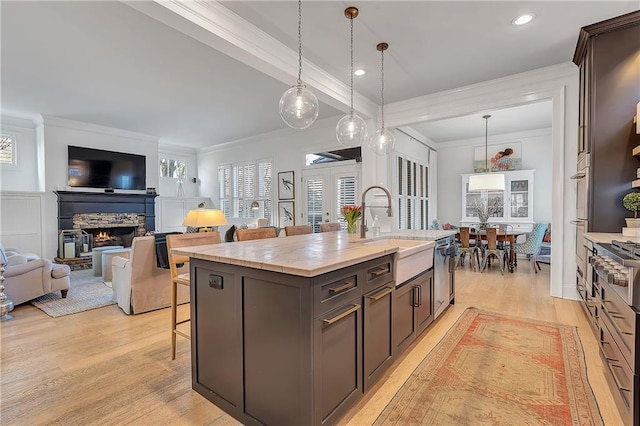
point(86, 292)
point(492, 369)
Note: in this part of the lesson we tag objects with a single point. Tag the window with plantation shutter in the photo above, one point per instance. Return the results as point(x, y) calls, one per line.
point(413, 200)
point(314, 203)
point(7, 150)
point(345, 195)
point(243, 183)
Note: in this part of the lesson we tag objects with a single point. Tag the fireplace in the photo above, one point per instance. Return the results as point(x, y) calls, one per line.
point(111, 229)
point(107, 218)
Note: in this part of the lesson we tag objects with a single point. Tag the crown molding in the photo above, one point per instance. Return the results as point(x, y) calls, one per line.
point(491, 94)
point(226, 32)
point(95, 128)
point(22, 122)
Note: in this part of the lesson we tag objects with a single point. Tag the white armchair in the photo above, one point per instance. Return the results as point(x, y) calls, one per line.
point(139, 285)
point(25, 280)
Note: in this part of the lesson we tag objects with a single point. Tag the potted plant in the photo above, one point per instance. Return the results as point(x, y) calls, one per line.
point(631, 202)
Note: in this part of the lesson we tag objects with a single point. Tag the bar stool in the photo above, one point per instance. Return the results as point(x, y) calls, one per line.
point(330, 226)
point(176, 241)
point(298, 230)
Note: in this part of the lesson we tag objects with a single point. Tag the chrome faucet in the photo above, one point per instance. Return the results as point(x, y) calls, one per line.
point(363, 225)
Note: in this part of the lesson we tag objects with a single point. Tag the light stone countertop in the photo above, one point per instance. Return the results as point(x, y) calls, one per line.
point(313, 254)
point(606, 238)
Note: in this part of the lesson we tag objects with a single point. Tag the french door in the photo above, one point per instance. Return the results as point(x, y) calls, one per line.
point(326, 190)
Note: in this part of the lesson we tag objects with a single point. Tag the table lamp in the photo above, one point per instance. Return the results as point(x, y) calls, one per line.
point(204, 219)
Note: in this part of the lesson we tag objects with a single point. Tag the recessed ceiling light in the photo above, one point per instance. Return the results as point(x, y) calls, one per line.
point(359, 72)
point(523, 19)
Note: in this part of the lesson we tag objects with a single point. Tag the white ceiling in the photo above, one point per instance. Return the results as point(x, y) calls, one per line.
point(109, 63)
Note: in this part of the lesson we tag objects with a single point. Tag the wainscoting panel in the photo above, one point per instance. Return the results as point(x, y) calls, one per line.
point(21, 221)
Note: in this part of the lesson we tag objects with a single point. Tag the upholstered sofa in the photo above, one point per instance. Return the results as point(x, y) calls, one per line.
point(139, 285)
point(25, 279)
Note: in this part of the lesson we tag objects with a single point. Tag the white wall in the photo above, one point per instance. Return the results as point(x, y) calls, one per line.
point(456, 157)
point(168, 187)
point(285, 148)
point(24, 175)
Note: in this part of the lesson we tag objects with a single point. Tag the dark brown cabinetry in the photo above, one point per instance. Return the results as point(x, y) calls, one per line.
point(273, 348)
point(618, 327)
point(412, 309)
point(606, 54)
point(378, 322)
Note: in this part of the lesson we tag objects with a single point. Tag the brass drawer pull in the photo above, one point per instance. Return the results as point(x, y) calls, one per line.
point(615, 378)
point(379, 272)
point(346, 286)
point(380, 295)
point(329, 321)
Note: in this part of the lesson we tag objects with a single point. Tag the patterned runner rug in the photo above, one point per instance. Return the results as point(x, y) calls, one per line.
point(492, 369)
point(86, 292)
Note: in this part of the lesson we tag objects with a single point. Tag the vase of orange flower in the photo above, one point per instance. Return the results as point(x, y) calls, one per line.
point(351, 214)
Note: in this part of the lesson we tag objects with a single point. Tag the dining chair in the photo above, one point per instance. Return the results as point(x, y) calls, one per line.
point(531, 246)
point(330, 226)
point(298, 230)
point(175, 261)
point(465, 248)
point(255, 234)
point(492, 250)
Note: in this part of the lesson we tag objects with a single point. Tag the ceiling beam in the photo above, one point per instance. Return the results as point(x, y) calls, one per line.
point(218, 27)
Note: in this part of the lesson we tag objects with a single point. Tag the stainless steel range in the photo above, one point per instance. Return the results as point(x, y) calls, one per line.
point(615, 276)
point(618, 264)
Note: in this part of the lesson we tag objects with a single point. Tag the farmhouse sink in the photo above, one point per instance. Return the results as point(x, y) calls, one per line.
point(412, 258)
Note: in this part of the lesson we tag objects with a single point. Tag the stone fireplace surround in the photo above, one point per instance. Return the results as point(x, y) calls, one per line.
point(95, 210)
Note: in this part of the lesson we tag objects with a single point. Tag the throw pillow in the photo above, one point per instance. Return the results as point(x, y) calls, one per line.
point(228, 236)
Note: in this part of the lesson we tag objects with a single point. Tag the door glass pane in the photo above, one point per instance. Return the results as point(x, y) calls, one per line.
point(345, 195)
point(520, 205)
point(519, 186)
point(496, 199)
point(314, 203)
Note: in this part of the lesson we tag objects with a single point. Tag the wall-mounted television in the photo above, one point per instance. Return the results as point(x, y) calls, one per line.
point(97, 168)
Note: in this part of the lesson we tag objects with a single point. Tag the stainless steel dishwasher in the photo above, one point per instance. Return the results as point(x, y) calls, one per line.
point(443, 264)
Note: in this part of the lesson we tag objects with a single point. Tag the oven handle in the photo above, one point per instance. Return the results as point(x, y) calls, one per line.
point(578, 222)
point(579, 175)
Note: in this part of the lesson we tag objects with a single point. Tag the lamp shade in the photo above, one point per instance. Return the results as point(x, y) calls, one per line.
point(202, 218)
point(486, 182)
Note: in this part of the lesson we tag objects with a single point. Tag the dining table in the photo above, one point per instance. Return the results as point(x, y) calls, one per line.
point(510, 236)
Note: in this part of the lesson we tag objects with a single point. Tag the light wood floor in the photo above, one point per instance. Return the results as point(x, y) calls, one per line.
point(104, 367)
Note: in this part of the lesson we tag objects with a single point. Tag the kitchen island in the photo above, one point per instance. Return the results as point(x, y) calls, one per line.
point(295, 330)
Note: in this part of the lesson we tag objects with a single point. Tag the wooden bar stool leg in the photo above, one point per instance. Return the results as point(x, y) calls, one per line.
point(174, 317)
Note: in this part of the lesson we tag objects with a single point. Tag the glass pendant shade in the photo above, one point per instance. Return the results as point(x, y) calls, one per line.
point(486, 182)
point(299, 107)
point(351, 130)
point(382, 142)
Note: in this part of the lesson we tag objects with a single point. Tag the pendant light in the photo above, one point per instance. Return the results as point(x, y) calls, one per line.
point(487, 181)
point(299, 106)
point(351, 130)
point(382, 141)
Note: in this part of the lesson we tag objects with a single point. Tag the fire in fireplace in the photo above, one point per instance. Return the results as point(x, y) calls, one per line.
point(121, 236)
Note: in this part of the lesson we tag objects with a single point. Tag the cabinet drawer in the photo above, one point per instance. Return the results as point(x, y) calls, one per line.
point(335, 289)
point(378, 272)
point(621, 320)
point(620, 377)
